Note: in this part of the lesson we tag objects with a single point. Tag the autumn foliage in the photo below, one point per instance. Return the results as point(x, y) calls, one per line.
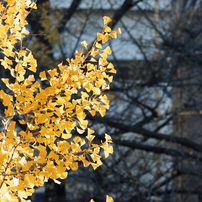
point(47, 149)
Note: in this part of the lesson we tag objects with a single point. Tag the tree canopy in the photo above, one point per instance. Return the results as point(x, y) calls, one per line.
point(46, 148)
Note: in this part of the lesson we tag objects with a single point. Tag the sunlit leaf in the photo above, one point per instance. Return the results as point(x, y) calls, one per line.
point(107, 29)
point(118, 31)
point(98, 45)
point(74, 166)
point(84, 43)
point(42, 75)
point(107, 50)
point(109, 199)
point(106, 19)
point(66, 136)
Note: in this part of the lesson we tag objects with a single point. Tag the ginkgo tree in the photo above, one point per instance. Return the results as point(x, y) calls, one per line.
point(46, 149)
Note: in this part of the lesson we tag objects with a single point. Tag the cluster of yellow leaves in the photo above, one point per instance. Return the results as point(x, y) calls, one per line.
point(47, 148)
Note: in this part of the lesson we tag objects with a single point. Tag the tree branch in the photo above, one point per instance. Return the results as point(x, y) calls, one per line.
point(169, 138)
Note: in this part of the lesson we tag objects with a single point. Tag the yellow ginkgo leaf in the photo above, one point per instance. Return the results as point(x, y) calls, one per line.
point(103, 55)
point(80, 131)
point(42, 118)
point(96, 91)
point(118, 31)
point(66, 136)
point(74, 166)
point(79, 53)
point(106, 19)
point(105, 38)
point(93, 112)
point(64, 175)
point(108, 138)
point(83, 124)
point(102, 112)
point(90, 131)
point(42, 75)
point(107, 29)
point(98, 45)
point(33, 5)
point(110, 78)
point(99, 36)
point(107, 50)
point(53, 72)
point(60, 101)
point(112, 71)
point(85, 162)
point(93, 60)
point(113, 35)
point(109, 199)
point(84, 43)
point(22, 122)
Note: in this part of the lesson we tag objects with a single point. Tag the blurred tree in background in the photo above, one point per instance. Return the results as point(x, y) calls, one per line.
point(155, 114)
